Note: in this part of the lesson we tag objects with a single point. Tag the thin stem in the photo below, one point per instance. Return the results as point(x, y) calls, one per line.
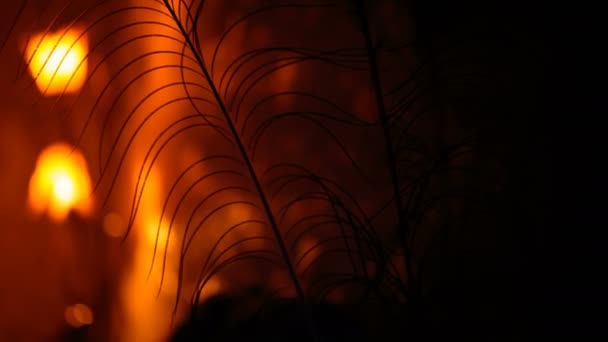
point(388, 142)
point(243, 152)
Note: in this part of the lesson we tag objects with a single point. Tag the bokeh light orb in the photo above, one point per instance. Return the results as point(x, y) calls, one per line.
point(78, 315)
point(60, 183)
point(57, 61)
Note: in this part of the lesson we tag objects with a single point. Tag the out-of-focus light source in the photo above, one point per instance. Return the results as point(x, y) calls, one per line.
point(57, 62)
point(78, 315)
point(114, 225)
point(60, 183)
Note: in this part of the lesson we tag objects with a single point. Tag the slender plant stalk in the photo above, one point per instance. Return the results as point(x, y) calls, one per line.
point(244, 155)
point(388, 142)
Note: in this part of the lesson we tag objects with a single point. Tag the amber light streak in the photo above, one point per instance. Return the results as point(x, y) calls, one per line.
point(56, 61)
point(146, 308)
point(60, 183)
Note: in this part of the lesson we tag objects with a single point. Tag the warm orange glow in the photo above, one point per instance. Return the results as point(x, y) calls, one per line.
point(57, 61)
point(60, 183)
point(78, 315)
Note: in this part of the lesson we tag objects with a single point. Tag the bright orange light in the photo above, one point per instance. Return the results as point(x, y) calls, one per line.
point(60, 183)
point(63, 188)
point(57, 61)
point(78, 315)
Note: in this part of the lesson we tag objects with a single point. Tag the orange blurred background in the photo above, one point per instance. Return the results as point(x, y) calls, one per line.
point(79, 126)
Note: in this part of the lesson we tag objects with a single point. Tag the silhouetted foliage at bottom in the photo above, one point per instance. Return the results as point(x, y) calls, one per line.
point(251, 316)
point(79, 334)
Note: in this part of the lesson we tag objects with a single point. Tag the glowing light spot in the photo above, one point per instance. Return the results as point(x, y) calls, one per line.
point(114, 225)
point(78, 315)
point(155, 234)
point(63, 188)
point(60, 183)
point(57, 61)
